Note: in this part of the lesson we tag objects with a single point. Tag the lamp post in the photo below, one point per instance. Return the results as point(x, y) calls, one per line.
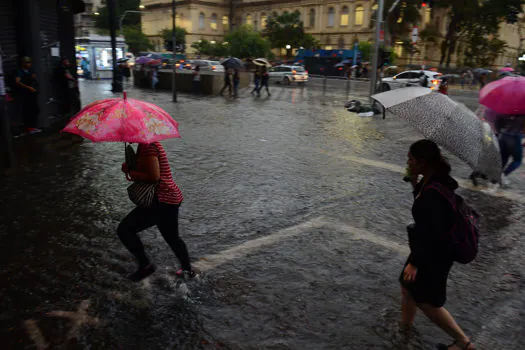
point(288, 47)
point(112, 11)
point(174, 40)
point(375, 59)
point(122, 16)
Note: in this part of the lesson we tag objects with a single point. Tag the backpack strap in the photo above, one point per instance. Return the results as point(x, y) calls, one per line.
point(445, 192)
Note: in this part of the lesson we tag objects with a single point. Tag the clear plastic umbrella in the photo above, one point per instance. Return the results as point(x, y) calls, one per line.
point(448, 123)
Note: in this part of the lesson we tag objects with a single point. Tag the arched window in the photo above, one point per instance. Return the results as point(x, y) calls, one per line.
point(201, 20)
point(225, 22)
point(344, 16)
point(249, 19)
point(213, 22)
point(359, 15)
point(375, 7)
point(264, 18)
point(331, 17)
point(311, 18)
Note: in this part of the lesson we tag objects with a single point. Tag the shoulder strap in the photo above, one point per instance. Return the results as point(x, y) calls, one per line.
point(445, 192)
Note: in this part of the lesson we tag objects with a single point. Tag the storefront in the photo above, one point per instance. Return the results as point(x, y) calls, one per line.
point(97, 50)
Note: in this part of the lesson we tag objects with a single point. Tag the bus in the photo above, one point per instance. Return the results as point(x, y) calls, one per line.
point(322, 62)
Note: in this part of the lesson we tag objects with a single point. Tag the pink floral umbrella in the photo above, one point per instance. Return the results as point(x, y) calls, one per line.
point(123, 120)
point(507, 69)
point(505, 96)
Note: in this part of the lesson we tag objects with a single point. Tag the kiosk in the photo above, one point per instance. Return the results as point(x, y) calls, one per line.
point(97, 50)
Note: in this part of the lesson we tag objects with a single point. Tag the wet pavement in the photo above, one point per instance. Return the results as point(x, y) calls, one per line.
point(294, 212)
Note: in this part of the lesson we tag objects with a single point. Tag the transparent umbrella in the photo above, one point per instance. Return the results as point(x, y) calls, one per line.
point(449, 124)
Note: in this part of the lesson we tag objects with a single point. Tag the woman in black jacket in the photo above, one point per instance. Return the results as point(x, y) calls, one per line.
point(424, 276)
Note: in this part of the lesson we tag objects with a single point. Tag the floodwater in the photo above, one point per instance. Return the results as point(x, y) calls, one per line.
point(294, 213)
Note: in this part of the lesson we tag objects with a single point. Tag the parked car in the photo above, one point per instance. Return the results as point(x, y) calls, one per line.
point(288, 74)
point(207, 65)
point(411, 78)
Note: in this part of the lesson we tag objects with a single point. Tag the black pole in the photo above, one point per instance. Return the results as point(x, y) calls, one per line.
point(112, 12)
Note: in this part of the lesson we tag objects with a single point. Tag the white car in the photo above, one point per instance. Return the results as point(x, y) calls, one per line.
point(288, 74)
point(411, 78)
point(206, 65)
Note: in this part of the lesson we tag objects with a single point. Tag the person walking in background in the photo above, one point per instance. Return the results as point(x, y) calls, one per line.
point(423, 79)
point(482, 80)
point(27, 95)
point(152, 166)
point(236, 81)
point(256, 80)
point(510, 135)
point(425, 273)
point(86, 72)
point(67, 89)
point(227, 82)
point(154, 77)
point(265, 78)
point(197, 80)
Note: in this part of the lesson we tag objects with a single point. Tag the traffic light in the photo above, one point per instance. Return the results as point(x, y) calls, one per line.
point(426, 4)
point(423, 4)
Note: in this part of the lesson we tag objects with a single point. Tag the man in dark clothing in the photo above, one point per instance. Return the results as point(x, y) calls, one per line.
point(265, 78)
point(26, 95)
point(67, 88)
point(227, 82)
point(423, 79)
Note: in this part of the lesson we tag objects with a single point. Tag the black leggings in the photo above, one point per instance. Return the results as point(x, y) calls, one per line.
point(166, 218)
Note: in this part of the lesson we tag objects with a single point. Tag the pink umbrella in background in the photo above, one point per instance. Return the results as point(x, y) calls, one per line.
point(507, 69)
point(123, 120)
point(505, 96)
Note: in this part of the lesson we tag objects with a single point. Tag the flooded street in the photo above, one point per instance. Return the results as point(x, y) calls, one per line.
point(294, 212)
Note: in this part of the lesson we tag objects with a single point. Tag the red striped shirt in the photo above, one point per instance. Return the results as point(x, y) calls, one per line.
point(167, 190)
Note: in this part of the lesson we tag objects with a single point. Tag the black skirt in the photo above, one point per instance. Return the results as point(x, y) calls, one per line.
point(430, 286)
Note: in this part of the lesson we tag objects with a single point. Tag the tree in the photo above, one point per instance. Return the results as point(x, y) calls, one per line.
point(218, 49)
point(131, 19)
point(246, 42)
point(365, 48)
point(180, 37)
point(288, 29)
point(401, 20)
point(136, 40)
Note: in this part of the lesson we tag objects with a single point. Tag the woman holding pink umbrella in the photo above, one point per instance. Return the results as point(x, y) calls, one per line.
point(154, 191)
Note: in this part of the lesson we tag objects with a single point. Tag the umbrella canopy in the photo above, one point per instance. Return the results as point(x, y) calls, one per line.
point(233, 63)
point(155, 63)
point(261, 62)
point(143, 60)
point(449, 124)
point(507, 69)
point(481, 71)
point(339, 65)
point(123, 120)
point(505, 96)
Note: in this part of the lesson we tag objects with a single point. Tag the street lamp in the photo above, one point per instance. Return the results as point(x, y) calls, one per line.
point(288, 47)
point(142, 7)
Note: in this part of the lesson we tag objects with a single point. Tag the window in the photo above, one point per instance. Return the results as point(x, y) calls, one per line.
point(201, 20)
point(344, 16)
point(359, 15)
point(375, 7)
point(331, 17)
point(341, 43)
point(311, 20)
point(225, 22)
point(249, 19)
point(428, 16)
point(264, 18)
point(213, 22)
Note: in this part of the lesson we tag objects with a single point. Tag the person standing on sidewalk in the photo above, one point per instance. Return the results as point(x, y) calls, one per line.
point(67, 89)
point(236, 81)
point(27, 95)
point(227, 82)
point(152, 165)
point(197, 80)
point(424, 276)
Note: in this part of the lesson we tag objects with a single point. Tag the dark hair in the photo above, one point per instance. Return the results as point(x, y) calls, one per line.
point(429, 152)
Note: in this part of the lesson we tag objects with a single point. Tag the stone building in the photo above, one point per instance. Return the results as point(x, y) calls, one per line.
point(85, 21)
point(337, 24)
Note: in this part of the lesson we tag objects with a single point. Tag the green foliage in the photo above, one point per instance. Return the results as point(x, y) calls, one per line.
point(180, 35)
point(288, 29)
point(365, 48)
point(482, 52)
point(136, 40)
point(430, 34)
point(204, 47)
point(131, 19)
point(407, 11)
point(246, 42)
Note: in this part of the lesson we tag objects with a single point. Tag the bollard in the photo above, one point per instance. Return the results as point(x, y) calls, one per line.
point(324, 90)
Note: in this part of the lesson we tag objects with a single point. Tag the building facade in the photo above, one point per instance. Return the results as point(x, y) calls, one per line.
point(337, 24)
point(85, 21)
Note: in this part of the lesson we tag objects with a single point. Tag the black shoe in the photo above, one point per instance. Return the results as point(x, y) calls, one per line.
point(142, 273)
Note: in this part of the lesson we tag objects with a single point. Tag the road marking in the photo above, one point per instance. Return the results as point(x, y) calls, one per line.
point(78, 319)
point(35, 333)
point(213, 261)
point(399, 169)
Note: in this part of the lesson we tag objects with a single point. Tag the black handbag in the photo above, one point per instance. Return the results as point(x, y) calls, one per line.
point(142, 193)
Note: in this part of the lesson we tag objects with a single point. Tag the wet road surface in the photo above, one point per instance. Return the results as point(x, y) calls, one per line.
point(295, 213)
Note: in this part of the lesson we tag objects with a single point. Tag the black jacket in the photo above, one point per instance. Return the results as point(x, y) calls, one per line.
point(434, 217)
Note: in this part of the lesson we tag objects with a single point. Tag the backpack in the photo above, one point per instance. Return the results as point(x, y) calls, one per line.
point(463, 239)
